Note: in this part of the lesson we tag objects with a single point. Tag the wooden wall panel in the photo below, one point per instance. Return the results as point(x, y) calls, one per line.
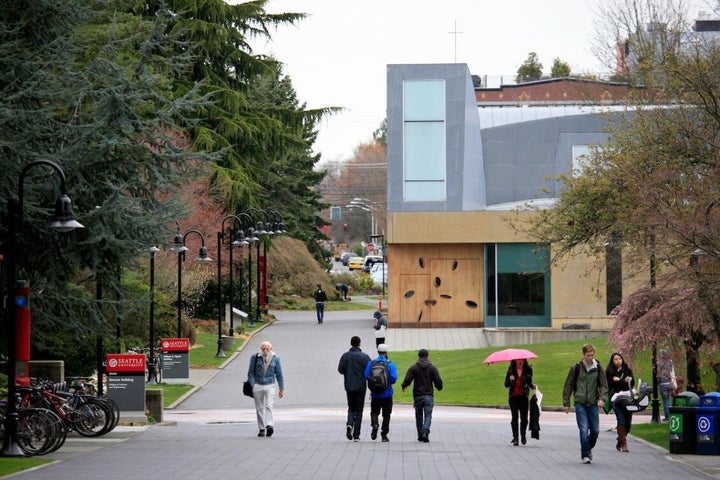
point(456, 301)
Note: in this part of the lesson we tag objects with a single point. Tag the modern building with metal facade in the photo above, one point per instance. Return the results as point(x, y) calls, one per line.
point(463, 162)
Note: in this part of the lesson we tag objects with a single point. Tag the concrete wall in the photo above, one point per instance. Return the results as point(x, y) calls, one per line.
point(504, 337)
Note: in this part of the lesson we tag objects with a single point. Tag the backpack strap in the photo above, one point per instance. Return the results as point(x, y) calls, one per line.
point(577, 372)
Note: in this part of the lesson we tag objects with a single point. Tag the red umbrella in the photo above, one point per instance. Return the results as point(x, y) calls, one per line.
point(509, 354)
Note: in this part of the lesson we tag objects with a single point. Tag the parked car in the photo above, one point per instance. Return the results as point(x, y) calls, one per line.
point(371, 260)
point(379, 273)
point(345, 257)
point(356, 263)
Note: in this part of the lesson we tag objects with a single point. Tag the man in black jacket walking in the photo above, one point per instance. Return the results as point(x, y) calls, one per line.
point(352, 366)
point(425, 375)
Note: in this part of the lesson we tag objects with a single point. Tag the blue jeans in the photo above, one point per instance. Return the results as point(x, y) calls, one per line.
point(320, 309)
point(623, 418)
point(588, 422)
point(423, 413)
point(665, 394)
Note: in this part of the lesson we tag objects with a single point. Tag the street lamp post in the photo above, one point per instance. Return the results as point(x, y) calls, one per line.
point(258, 276)
point(152, 374)
point(220, 353)
point(62, 221)
point(263, 230)
point(178, 246)
point(239, 242)
point(366, 206)
point(275, 227)
point(655, 417)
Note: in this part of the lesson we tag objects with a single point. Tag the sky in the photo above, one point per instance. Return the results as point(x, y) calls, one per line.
point(337, 56)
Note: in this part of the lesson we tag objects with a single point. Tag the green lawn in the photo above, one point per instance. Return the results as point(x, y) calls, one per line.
point(10, 465)
point(468, 381)
point(657, 433)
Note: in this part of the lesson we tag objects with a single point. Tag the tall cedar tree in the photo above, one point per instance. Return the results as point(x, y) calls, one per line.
point(90, 91)
point(264, 136)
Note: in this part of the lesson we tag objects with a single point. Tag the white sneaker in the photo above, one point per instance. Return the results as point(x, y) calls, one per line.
point(586, 460)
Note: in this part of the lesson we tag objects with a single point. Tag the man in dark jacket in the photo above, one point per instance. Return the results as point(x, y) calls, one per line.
point(425, 375)
point(352, 366)
point(320, 299)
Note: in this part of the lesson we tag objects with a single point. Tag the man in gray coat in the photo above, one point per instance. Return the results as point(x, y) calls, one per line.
point(352, 366)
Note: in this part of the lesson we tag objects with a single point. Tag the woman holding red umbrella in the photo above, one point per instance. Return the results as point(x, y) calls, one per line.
point(519, 381)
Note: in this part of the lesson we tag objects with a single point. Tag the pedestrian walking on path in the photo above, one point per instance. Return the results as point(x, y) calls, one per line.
point(381, 401)
point(320, 299)
point(519, 381)
point(352, 367)
point(380, 327)
point(587, 383)
point(424, 375)
point(264, 372)
point(620, 379)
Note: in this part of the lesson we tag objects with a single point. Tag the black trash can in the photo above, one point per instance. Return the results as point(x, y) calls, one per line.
point(708, 424)
point(683, 436)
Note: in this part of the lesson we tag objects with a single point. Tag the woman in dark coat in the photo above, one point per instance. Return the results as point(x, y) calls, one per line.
point(519, 381)
point(619, 379)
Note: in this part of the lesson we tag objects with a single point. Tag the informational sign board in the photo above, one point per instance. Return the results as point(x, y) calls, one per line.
point(126, 381)
point(175, 358)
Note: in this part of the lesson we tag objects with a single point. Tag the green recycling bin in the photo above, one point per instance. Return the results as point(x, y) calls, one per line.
point(683, 436)
point(708, 424)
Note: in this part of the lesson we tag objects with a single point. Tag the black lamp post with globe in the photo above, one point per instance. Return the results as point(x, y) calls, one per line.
point(178, 246)
point(63, 220)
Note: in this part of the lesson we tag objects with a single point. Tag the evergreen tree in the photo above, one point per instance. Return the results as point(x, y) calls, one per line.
point(560, 69)
point(530, 70)
point(89, 91)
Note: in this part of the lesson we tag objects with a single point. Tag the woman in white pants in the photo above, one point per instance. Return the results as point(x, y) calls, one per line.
point(263, 372)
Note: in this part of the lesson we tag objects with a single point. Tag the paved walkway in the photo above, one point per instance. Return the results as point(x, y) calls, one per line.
point(213, 431)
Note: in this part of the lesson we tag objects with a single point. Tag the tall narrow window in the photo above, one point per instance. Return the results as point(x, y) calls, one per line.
point(424, 169)
point(518, 285)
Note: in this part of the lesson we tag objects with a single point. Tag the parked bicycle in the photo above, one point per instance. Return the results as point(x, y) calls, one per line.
point(39, 430)
point(89, 416)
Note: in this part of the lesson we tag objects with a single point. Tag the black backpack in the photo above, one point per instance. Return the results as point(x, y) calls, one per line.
point(379, 378)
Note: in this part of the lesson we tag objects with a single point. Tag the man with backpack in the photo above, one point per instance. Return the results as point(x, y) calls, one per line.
point(381, 375)
point(425, 375)
point(352, 367)
point(587, 382)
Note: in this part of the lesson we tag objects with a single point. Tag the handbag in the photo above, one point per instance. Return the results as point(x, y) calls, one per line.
point(247, 389)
